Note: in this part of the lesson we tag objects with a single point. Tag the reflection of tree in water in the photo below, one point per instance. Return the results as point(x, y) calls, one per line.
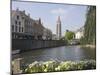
point(69, 53)
point(89, 52)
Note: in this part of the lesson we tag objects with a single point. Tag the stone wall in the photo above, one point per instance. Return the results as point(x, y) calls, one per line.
point(29, 44)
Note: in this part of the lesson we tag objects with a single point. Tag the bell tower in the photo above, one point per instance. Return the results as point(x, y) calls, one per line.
point(58, 28)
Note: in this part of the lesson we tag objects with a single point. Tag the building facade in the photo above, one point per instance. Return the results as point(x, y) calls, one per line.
point(54, 37)
point(79, 33)
point(58, 28)
point(17, 22)
point(47, 34)
point(23, 26)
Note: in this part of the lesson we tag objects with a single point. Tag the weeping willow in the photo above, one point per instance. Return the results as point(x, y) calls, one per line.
point(90, 26)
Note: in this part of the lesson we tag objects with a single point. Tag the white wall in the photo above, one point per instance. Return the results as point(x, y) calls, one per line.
point(78, 35)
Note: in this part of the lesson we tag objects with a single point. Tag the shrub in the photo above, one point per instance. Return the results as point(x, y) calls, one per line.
point(51, 66)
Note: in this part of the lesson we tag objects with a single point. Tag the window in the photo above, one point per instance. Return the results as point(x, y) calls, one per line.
point(19, 23)
point(16, 29)
point(22, 29)
point(15, 22)
point(17, 17)
point(19, 29)
point(22, 17)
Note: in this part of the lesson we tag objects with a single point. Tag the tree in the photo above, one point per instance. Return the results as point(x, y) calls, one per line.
point(90, 26)
point(69, 35)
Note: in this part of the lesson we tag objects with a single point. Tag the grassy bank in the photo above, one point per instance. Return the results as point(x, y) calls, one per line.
point(54, 66)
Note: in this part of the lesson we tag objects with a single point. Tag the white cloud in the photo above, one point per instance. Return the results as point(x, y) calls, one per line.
point(63, 12)
point(58, 11)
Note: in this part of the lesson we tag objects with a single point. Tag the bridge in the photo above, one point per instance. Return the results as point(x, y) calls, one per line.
point(74, 42)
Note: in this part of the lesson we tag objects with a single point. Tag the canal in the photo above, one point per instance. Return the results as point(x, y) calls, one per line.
point(63, 53)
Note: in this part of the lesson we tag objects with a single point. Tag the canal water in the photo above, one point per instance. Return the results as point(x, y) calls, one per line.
point(63, 53)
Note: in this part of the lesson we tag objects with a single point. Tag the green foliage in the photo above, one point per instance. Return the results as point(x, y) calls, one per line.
point(90, 26)
point(69, 35)
point(51, 66)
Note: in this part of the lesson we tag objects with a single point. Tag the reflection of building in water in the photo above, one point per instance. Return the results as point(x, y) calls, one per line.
point(58, 28)
point(24, 24)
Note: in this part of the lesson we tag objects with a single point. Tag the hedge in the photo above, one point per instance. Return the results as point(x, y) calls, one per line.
point(54, 66)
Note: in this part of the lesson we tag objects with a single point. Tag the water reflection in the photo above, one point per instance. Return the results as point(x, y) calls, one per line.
point(73, 53)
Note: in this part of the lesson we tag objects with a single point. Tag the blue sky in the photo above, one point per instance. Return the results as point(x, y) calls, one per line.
point(72, 16)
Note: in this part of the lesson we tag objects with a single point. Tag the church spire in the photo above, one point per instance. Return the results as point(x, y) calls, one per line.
point(58, 19)
point(58, 28)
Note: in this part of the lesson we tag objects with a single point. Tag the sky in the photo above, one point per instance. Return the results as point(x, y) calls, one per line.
point(72, 16)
